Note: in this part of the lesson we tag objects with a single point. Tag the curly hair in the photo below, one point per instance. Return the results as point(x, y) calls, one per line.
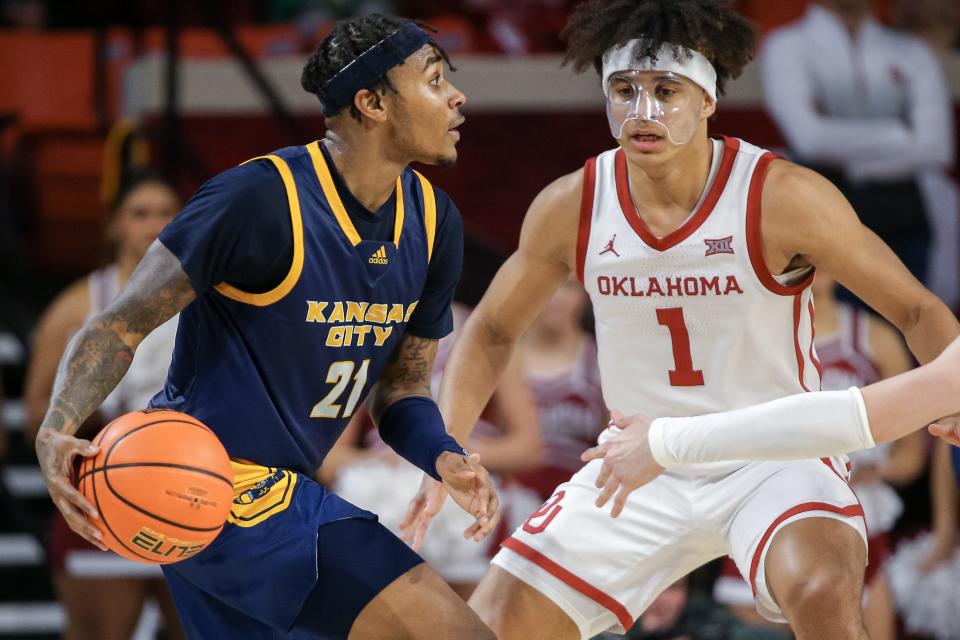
point(723, 36)
point(346, 42)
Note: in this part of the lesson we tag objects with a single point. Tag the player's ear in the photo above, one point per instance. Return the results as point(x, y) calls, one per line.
point(370, 105)
point(708, 107)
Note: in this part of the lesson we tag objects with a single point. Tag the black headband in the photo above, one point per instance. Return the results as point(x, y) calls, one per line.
point(370, 66)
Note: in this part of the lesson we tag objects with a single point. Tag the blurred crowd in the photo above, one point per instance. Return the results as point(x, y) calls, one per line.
point(864, 103)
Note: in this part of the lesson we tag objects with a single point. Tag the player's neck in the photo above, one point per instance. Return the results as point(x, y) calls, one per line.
point(369, 175)
point(666, 194)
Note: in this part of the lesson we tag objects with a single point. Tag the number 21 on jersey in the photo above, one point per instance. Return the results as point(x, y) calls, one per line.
point(683, 374)
point(340, 374)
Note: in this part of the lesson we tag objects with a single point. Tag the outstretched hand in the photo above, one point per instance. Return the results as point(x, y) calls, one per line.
point(471, 487)
point(423, 507)
point(627, 460)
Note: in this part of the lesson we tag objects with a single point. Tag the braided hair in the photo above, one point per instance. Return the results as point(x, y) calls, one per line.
point(711, 27)
point(345, 43)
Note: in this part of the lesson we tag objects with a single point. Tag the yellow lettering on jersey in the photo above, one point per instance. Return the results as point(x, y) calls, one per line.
point(336, 335)
point(356, 311)
point(381, 334)
point(410, 309)
point(377, 313)
point(315, 311)
point(337, 314)
point(396, 313)
point(360, 332)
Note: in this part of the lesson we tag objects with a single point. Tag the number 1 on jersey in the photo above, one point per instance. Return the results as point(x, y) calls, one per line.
point(339, 376)
point(683, 374)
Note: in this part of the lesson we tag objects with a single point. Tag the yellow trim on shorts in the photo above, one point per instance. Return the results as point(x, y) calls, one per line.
point(296, 267)
point(249, 511)
point(429, 212)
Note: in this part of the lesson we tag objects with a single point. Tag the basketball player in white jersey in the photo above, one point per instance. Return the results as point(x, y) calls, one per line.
point(702, 305)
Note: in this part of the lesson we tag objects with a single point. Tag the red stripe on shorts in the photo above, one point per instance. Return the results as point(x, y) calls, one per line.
point(848, 511)
point(578, 584)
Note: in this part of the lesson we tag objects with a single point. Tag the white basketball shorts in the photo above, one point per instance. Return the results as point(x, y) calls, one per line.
point(604, 572)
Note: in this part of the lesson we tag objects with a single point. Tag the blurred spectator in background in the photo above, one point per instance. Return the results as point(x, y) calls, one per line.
point(102, 593)
point(856, 348)
point(867, 107)
point(937, 22)
point(559, 360)
point(361, 468)
point(925, 571)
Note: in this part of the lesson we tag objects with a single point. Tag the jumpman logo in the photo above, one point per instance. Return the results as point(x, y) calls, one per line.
point(609, 248)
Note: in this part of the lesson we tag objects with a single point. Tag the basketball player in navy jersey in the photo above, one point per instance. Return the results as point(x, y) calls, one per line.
point(305, 277)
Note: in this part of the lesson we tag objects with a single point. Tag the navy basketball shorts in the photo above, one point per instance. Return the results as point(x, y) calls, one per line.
point(294, 561)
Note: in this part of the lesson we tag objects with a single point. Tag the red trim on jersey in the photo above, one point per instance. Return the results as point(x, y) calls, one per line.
point(578, 584)
point(796, 340)
point(813, 337)
point(848, 511)
point(829, 463)
point(586, 214)
point(681, 233)
point(755, 237)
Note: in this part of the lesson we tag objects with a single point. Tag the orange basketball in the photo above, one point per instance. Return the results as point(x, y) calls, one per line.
point(162, 484)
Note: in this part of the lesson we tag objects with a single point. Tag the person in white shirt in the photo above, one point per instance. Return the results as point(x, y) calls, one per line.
point(868, 107)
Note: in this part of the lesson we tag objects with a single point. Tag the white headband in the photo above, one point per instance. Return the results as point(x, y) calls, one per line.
point(695, 66)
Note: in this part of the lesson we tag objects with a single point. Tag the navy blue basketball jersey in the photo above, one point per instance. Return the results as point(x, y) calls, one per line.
point(277, 375)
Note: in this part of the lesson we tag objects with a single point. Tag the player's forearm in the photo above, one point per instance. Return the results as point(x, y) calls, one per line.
point(813, 425)
point(801, 426)
point(92, 366)
point(907, 402)
point(478, 361)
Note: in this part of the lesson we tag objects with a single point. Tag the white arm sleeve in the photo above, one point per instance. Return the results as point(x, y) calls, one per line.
point(807, 425)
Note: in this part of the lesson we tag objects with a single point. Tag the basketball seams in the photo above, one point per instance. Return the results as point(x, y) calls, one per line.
point(171, 465)
point(91, 470)
point(103, 518)
point(136, 507)
point(107, 465)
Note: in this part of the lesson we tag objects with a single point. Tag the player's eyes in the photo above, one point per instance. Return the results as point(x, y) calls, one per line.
point(436, 80)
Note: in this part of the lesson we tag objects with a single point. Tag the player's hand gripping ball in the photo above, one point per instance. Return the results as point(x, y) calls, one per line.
point(162, 483)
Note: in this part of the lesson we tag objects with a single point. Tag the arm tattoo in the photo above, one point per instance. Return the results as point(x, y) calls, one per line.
point(407, 373)
point(100, 354)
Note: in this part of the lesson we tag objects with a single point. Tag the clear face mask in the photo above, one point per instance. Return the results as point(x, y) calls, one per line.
point(664, 103)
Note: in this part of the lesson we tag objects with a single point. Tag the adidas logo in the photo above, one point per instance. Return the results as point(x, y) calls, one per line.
point(379, 256)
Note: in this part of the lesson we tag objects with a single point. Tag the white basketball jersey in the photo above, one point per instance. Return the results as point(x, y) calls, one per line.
point(693, 322)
